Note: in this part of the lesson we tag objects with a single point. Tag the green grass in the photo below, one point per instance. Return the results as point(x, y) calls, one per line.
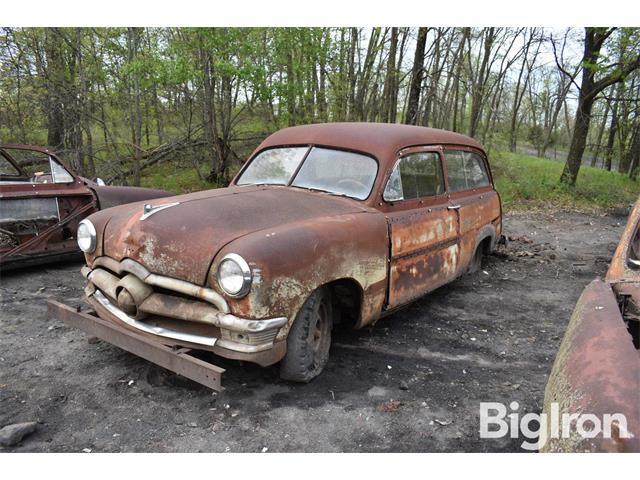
point(174, 178)
point(527, 182)
point(524, 183)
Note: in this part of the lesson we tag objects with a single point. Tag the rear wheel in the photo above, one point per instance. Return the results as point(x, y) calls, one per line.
point(309, 340)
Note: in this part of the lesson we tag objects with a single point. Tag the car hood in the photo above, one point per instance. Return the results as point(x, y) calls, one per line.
point(181, 241)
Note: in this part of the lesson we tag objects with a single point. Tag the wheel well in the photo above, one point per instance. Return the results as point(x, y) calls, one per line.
point(485, 245)
point(346, 296)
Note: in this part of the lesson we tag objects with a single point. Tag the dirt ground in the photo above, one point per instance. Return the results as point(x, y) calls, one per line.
point(413, 382)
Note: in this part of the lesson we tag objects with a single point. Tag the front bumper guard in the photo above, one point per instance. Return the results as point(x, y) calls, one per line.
point(227, 321)
point(137, 293)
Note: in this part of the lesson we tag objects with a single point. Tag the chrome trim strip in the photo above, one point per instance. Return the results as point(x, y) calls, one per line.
point(149, 209)
point(187, 288)
point(181, 286)
point(152, 329)
point(241, 347)
point(254, 326)
point(244, 325)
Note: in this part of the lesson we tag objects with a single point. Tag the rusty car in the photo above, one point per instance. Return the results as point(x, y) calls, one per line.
point(596, 371)
point(325, 224)
point(42, 202)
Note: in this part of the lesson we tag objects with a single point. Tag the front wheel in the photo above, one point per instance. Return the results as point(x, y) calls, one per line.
point(309, 339)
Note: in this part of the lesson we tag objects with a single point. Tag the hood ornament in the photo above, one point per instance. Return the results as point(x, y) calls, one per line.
point(149, 209)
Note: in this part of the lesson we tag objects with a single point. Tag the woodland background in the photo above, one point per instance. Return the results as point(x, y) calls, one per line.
point(181, 108)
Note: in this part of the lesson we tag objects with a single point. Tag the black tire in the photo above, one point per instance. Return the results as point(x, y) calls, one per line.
point(309, 339)
point(476, 261)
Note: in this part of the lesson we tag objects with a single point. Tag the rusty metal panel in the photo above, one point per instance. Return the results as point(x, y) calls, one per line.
point(176, 360)
point(415, 275)
point(596, 371)
point(182, 240)
point(293, 259)
point(477, 210)
point(425, 252)
point(416, 230)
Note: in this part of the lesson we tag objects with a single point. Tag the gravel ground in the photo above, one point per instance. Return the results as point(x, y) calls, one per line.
point(413, 382)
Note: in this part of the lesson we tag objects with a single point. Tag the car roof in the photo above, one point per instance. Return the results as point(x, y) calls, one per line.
point(382, 140)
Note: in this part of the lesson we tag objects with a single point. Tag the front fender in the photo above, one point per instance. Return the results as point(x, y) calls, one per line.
point(291, 261)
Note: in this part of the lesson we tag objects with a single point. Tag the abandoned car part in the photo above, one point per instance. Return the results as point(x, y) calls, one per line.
point(176, 360)
point(597, 368)
point(42, 202)
point(324, 224)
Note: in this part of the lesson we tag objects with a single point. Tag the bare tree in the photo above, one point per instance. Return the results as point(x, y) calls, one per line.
point(416, 78)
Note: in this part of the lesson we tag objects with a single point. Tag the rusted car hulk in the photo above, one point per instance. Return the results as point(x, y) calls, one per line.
point(597, 368)
point(325, 224)
point(40, 211)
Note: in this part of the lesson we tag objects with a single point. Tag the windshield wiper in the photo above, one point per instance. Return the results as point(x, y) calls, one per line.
point(322, 190)
point(258, 184)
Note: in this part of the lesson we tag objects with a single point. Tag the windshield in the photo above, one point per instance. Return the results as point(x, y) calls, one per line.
point(333, 171)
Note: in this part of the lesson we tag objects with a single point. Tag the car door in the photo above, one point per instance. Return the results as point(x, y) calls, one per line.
point(472, 196)
point(41, 210)
point(422, 229)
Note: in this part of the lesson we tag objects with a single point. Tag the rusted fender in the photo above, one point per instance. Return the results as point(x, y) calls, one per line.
point(291, 260)
point(596, 371)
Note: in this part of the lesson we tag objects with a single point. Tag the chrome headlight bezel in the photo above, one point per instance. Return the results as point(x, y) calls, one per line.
point(91, 230)
point(245, 270)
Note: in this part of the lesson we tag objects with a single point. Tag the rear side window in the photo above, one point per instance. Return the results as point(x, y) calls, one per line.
point(465, 170)
point(415, 176)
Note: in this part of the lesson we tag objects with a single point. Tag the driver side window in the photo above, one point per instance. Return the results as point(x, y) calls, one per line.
point(40, 167)
point(416, 175)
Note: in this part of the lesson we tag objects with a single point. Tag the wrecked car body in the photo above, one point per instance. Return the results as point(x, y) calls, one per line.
point(42, 202)
point(325, 224)
point(597, 368)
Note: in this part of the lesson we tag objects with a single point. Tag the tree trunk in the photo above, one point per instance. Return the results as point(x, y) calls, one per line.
point(352, 75)
point(589, 89)
point(634, 151)
point(135, 115)
point(477, 95)
point(579, 138)
point(613, 128)
point(416, 77)
point(54, 79)
point(603, 125)
point(390, 90)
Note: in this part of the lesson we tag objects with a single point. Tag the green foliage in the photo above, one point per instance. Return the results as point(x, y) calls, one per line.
point(526, 182)
point(175, 178)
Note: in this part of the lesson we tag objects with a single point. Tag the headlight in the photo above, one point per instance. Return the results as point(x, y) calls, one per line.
point(86, 236)
point(234, 275)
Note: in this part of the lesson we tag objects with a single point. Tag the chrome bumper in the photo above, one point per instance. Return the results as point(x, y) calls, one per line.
point(106, 290)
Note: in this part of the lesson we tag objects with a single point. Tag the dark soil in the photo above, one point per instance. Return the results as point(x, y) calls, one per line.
point(413, 382)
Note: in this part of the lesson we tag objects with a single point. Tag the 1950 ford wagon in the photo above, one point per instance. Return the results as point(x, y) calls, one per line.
point(324, 224)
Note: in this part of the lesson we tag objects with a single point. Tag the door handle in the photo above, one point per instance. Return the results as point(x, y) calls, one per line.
point(454, 207)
